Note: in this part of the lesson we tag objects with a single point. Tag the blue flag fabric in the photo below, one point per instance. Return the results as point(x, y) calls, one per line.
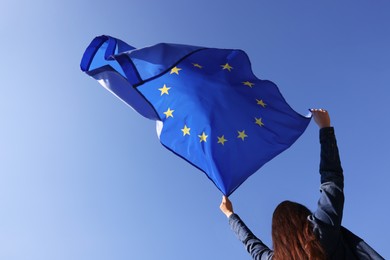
point(210, 108)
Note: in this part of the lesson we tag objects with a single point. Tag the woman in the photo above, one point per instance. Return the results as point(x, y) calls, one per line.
point(296, 232)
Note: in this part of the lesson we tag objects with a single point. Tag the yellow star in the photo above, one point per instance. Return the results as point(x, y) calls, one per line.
point(169, 113)
point(242, 135)
point(197, 65)
point(203, 137)
point(261, 102)
point(249, 84)
point(222, 140)
point(227, 67)
point(175, 70)
point(186, 130)
point(259, 121)
point(164, 90)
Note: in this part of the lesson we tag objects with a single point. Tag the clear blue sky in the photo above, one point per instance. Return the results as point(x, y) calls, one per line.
point(83, 176)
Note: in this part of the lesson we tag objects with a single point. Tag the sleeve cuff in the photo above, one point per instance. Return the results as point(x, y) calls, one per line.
point(327, 134)
point(233, 217)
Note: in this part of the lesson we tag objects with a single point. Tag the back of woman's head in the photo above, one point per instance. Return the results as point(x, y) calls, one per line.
point(292, 233)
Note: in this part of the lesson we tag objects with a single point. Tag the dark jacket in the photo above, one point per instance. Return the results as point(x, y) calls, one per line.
point(338, 242)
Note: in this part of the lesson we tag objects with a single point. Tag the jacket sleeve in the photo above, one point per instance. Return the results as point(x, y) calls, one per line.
point(255, 247)
point(331, 202)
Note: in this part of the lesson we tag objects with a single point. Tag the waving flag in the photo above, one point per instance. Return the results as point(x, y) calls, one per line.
point(210, 108)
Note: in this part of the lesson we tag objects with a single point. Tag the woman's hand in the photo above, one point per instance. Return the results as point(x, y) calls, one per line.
point(321, 117)
point(226, 206)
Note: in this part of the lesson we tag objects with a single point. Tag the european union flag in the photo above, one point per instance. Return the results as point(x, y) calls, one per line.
point(210, 108)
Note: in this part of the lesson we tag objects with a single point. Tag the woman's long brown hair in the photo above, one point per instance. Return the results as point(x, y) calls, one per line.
point(292, 233)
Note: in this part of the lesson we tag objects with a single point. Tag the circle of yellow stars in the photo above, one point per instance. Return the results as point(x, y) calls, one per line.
point(164, 90)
